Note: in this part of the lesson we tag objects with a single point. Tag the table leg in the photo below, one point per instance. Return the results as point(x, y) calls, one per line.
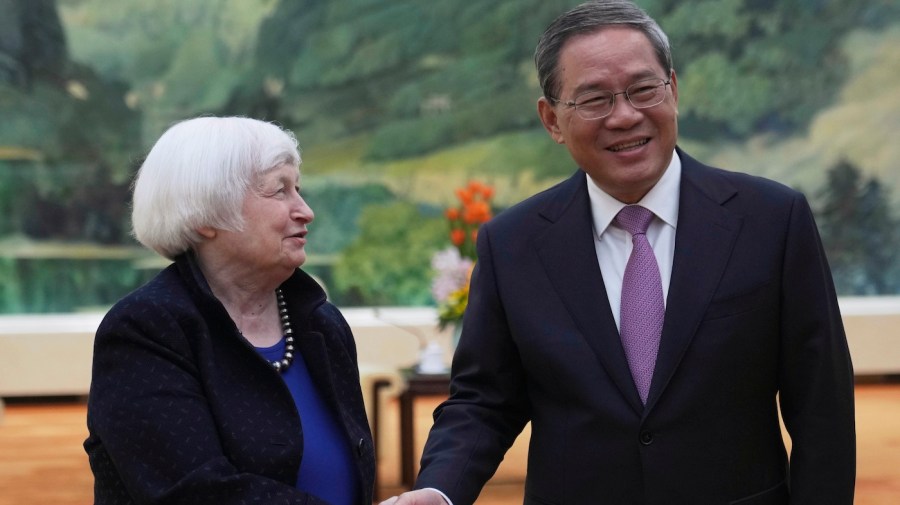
point(377, 386)
point(407, 473)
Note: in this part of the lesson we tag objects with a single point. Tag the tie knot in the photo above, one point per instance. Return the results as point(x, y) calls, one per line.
point(634, 219)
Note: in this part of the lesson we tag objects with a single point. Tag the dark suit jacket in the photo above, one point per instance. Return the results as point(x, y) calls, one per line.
point(751, 314)
point(183, 410)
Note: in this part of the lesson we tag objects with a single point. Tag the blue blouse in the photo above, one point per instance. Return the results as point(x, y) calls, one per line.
point(327, 470)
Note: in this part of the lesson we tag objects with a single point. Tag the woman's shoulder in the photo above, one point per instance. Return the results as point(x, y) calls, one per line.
point(327, 315)
point(161, 302)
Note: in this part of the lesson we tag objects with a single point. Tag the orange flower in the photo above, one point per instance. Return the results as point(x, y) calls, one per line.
point(476, 212)
point(473, 209)
point(458, 237)
point(464, 196)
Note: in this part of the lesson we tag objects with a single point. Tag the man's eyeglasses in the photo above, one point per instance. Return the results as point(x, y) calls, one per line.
point(599, 104)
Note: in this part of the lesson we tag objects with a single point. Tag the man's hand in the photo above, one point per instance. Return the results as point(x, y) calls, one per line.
point(417, 497)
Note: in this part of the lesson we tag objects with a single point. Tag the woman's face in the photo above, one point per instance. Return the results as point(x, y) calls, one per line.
point(275, 224)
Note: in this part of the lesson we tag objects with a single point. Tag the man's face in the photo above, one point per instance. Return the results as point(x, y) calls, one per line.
point(626, 152)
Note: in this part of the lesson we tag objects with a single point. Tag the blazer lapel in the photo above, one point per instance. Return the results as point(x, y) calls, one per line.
point(567, 252)
point(704, 240)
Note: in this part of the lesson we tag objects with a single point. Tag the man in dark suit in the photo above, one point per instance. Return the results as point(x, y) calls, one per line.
point(652, 384)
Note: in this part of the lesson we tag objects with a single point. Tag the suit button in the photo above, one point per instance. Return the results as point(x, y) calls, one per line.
point(646, 437)
point(360, 446)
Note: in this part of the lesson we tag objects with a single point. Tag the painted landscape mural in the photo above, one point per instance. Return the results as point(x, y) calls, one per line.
point(397, 103)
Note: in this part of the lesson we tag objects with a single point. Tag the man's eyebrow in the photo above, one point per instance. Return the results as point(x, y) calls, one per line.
point(594, 86)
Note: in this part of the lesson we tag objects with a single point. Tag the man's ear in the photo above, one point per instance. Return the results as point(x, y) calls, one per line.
point(207, 232)
point(673, 83)
point(550, 120)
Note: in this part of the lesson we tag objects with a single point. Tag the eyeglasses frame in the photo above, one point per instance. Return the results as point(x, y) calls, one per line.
point(574, 105)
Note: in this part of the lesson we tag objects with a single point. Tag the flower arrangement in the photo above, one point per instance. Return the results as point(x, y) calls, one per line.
point(450, 286)
point(453, 265)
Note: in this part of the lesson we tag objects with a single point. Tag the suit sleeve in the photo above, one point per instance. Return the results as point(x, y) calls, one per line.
point(816, 375)
point(488, 405)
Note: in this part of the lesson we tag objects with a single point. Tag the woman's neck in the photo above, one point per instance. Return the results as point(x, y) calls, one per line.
point(249, 301)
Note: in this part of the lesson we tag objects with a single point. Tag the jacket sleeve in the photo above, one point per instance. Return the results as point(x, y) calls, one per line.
point(816, 375)
point(153, 436)
point(488, 404)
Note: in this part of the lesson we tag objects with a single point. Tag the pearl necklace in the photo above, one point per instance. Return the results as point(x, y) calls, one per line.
point(286, 360)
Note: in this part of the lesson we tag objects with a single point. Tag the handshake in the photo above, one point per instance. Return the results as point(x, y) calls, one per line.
point(427, 496)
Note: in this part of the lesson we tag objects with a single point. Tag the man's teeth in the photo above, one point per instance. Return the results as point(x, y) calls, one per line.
point(622, 147)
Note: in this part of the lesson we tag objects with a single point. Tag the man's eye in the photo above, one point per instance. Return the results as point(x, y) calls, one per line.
point(593, 100)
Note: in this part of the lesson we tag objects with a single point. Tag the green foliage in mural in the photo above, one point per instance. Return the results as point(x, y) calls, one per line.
point(389, 263)
point(66, 138)
point(749, 65)
point(389, 97)
point(65, 284)
point(338, 208)
point(860, 232)
point(427, 74)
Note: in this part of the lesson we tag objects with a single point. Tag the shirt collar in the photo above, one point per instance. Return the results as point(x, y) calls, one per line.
point(662, 199)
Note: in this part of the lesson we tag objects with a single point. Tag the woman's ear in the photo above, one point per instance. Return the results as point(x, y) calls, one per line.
point(207, 232)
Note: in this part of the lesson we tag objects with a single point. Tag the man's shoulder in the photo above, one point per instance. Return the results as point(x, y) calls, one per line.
point(711, 178)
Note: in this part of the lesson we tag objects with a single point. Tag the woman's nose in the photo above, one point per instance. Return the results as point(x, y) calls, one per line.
point(302, 211)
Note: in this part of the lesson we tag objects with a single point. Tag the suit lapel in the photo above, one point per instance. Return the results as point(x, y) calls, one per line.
point(704, 240)
point(705, 237)
point(567, 252)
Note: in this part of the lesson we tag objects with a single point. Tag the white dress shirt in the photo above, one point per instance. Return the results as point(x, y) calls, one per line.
point(613, 244)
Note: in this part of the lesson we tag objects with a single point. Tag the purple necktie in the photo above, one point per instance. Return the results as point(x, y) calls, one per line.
point(642, 308)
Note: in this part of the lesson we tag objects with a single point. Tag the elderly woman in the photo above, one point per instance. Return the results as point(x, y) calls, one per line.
point(228, 378)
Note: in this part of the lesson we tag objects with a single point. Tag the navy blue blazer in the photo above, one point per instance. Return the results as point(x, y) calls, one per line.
point(751, 319)
point(183, 410)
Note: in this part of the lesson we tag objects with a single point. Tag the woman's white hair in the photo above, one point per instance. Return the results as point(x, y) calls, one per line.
point(197, 174)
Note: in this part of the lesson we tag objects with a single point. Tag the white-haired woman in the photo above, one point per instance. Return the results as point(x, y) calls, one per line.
point(228, 378)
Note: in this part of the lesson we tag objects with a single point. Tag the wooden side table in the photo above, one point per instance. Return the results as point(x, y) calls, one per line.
point(416, 385)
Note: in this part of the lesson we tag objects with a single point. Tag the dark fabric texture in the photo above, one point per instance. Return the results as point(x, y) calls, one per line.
point(751, 319)
point(183, 410)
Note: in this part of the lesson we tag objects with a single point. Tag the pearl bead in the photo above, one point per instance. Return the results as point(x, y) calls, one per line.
point(283, 364)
